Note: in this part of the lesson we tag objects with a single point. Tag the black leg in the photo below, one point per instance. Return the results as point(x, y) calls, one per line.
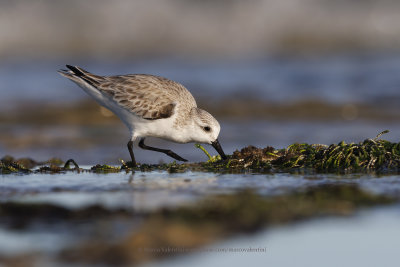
point(130, 148)
point(165, 151)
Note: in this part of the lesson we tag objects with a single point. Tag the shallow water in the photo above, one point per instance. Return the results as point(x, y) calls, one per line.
point(368, 239)
point(153, 190)
point(145, 191)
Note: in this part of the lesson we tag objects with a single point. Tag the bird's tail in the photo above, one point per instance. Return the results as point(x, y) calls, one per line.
point(80, 76)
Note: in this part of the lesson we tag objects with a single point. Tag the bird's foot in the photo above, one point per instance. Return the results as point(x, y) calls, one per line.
point(130, 164)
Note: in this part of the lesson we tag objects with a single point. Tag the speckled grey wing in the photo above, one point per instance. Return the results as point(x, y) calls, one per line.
point(149, 97)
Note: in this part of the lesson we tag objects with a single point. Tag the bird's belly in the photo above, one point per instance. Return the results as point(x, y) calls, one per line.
point(162, 128)
point(139, 127)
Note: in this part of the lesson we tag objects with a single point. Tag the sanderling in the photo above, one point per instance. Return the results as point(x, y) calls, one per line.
point(150, 106)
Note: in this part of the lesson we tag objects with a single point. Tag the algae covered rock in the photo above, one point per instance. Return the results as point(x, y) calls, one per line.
point(369, 155)
point(9, 165)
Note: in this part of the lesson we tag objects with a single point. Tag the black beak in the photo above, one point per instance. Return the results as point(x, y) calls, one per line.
point(218, 147)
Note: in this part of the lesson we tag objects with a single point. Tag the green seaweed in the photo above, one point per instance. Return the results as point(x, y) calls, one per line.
point(12, 167)
point(51, 169)
point(105, 169)
point(370, 155)
point(374, 154)
point(210, 158)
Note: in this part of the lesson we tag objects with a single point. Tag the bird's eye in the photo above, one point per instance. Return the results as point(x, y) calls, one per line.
point(207, 129)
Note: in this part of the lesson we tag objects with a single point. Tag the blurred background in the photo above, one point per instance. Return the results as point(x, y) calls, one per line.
point(272, 72)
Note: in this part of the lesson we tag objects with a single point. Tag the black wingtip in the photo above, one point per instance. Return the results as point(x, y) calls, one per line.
point(75, 70)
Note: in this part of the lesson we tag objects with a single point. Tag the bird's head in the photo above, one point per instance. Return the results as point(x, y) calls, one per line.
point(206, 129)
